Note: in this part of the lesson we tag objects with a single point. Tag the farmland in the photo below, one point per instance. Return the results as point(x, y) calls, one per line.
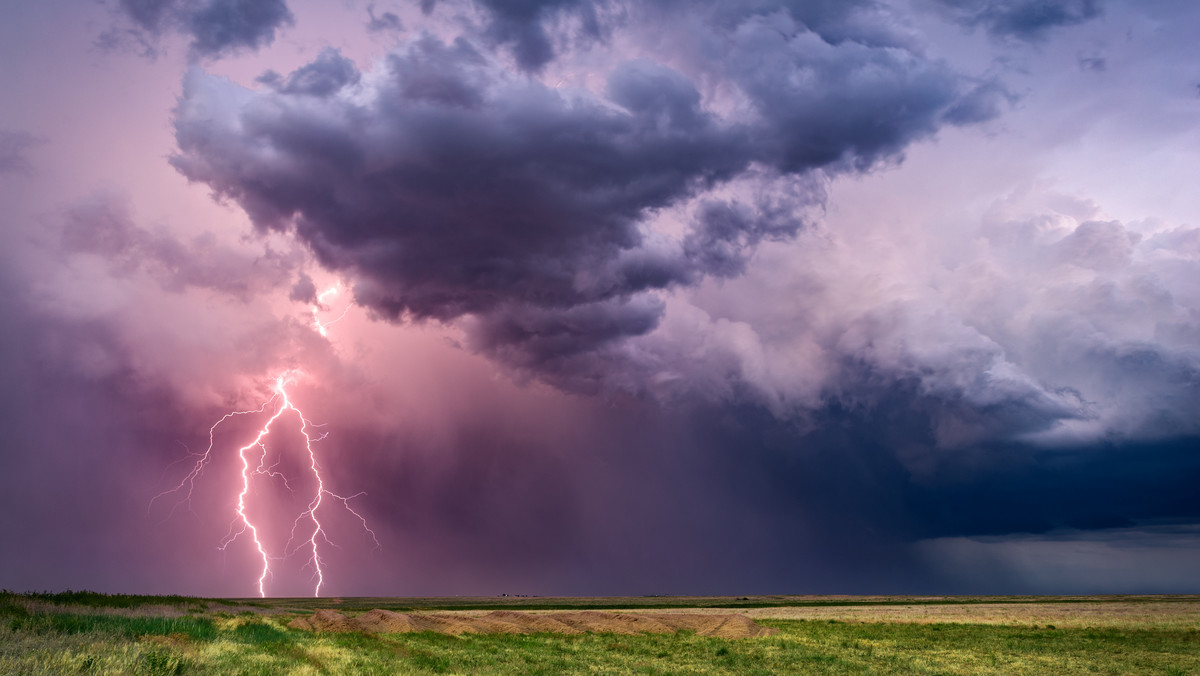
point(101, 634)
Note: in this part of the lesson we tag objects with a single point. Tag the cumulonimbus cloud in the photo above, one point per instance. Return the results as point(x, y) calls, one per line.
point(450, 184)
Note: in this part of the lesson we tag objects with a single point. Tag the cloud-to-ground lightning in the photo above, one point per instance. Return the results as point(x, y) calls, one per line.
point(283, 405)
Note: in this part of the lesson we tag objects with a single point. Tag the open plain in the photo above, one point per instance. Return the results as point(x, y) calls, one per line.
point(82, 632)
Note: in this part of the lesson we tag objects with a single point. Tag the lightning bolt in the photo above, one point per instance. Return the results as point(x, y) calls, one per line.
point(254, 461)
point(323, 327)
point(253, 458)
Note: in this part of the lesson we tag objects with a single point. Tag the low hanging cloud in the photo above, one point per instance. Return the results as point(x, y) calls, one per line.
point(216, 27)
point(450, 186)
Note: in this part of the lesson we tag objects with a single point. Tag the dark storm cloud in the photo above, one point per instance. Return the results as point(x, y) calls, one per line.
point(825, 103)
point(216, 27)
point(1023, 19)
point(451, 186)
point(454, 194)
point(226, 25)
point(852, 476)
point(14, 151)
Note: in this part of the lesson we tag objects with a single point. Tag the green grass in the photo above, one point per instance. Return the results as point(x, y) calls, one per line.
point(93, 599)
point(133, 627)
point(87, 639)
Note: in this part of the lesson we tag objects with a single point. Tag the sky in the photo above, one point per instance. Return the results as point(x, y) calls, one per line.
point(598, 297)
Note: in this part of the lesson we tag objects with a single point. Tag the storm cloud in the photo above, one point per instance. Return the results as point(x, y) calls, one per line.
point(216, 27)
point(1050, 327)
point(605, 297)
point(446, 185)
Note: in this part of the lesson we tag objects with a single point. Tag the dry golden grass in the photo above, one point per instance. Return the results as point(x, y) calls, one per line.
point(1180, 614)
point(1150, 613)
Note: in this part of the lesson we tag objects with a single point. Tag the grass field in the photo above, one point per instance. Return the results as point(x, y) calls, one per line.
point(79, 632)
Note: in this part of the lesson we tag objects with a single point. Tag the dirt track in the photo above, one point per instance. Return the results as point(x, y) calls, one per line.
point(728, 625)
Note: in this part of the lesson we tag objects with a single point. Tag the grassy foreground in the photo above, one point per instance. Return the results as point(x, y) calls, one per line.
point(97, 634)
